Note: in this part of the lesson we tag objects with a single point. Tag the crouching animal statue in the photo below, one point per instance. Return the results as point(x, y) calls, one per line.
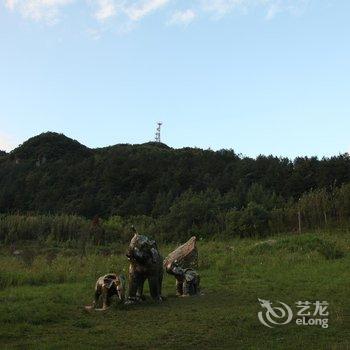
point(181, 263)
point(187, 280)
point(106, 287)
point(146, 263)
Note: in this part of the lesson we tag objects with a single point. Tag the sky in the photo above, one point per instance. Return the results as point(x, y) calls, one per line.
point(256, 76)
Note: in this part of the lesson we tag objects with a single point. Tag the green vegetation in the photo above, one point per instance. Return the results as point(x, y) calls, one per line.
point(175, 192)
point(44, 287)
point(66, 212)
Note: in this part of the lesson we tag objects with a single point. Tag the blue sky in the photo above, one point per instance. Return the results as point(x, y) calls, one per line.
point(258, 76)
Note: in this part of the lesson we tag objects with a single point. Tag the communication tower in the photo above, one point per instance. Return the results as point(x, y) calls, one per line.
point(159, 125)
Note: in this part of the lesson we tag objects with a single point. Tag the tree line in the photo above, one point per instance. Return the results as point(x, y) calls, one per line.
point(169, 192)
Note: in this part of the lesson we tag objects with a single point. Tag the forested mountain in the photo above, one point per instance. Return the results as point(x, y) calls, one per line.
point(52, 173)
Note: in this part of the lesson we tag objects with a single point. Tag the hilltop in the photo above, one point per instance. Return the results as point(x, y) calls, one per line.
point(51, 146)
point(51, 173)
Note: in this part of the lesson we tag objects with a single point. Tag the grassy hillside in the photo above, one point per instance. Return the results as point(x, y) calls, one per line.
point(43, 290)
point(175, 192)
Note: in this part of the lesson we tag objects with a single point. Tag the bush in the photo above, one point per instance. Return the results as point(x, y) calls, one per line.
point(253, 221)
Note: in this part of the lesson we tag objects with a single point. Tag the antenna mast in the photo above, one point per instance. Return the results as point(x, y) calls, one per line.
point(159, 125)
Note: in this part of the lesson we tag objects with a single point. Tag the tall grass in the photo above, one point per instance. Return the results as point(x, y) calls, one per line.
point(65, 266)
point(38, 227)
point(42, 264)
point(75, 230)
point(62, 228)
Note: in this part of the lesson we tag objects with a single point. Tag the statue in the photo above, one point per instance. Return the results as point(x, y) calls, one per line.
point(186, 255)
point(106, 287)
point(187, 280)
point(145, 263)
point(180, 264)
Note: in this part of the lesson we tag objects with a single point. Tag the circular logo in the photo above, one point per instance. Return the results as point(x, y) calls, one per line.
point(274, 315)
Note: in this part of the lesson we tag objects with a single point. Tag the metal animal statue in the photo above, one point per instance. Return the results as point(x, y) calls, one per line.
point(105, 288)
point(180, 263)
point(146, 263)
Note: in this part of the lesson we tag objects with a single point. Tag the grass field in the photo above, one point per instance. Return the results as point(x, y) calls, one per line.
point(43, 291)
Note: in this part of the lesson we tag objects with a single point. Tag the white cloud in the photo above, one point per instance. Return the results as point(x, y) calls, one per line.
point(294, 7)
point(182, 17)
point(273, 10)
point(106, 9)
point(223, 7)
point(38, 10)
point(142, 8)
point(94, 33)
point(132, 11)
point(11, 4)
point(6, 143)
point(220, 8)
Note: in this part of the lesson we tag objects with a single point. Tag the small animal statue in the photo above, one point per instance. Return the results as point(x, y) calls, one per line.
point(186, 255)
point(187, 279)
point(106, 287)
point(146, 263)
